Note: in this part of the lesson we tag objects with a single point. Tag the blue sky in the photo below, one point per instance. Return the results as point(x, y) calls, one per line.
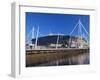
point(55, 23)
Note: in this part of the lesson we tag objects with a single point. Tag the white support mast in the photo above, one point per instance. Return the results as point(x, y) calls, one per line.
point(36, 38)
point(70, 40)
point(80, 34)
point(57, 41)
point(30, 36)
point(80, 27)
point(33, 33)
point(84, 29)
